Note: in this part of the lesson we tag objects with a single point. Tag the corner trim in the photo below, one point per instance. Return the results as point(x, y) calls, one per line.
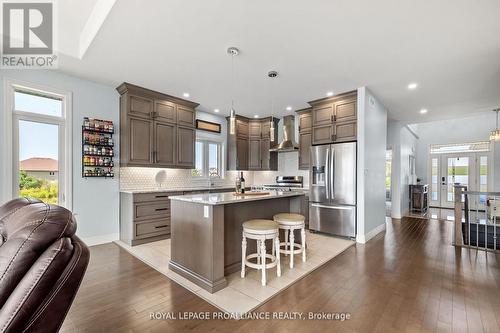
point(101, 239)
point(210, 286)
point(374, 232)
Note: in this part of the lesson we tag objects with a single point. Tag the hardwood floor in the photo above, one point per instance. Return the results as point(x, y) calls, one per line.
point(409, 280)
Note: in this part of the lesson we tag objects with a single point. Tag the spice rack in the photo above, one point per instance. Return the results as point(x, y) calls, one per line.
point(97, 148)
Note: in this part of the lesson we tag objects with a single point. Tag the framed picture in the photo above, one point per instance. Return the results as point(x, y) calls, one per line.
point(208, 126)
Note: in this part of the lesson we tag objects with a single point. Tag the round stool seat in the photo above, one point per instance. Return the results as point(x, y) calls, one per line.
point(289, 218)
point(260, 227)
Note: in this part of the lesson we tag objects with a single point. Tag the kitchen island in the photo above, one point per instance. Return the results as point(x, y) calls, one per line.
point(206, 231)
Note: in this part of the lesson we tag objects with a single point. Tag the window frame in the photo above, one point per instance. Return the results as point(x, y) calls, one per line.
point(205, 168)
point(11, 137)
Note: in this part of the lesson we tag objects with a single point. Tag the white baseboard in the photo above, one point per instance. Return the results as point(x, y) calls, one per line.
point(101, 239)
point(366, 237)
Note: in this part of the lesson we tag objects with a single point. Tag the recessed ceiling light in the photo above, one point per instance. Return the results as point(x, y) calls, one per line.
point(216, 110)
point(256, 116)
point(330, 93)
point(289, 108)
point(412, 86)
point(423, 111)
point(185, 94)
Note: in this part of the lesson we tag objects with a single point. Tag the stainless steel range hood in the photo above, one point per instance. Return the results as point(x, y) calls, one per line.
point(288, 143)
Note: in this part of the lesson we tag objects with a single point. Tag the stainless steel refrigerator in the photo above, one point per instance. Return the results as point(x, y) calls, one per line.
point(332, 197)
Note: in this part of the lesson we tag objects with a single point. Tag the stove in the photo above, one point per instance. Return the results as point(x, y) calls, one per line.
point(284, 184)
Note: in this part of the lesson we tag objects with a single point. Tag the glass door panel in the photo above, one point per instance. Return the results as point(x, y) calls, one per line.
point(39, 161)
point(434, 177)
point(456, 169)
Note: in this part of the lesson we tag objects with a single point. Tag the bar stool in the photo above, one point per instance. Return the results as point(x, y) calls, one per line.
point(260, 230)
point(289, 223)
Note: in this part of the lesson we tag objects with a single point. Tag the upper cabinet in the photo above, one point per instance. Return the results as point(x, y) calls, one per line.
point(304, 117)
point(249, 148)
point(334, 119)
point(156, 130)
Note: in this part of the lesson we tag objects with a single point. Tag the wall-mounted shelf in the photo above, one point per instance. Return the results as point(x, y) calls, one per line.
point(97, 148)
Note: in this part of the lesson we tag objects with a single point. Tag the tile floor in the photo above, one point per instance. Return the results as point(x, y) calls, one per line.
point(244, 295)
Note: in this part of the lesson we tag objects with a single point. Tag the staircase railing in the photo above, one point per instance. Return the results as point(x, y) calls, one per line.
point(477, 219)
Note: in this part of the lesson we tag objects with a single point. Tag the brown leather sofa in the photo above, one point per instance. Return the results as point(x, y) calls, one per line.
point(42, 263)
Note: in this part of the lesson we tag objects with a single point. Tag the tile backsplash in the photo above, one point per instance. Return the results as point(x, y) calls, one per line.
point(132, 178)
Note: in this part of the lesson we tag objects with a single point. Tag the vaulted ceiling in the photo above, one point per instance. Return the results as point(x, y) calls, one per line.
point(451, 48)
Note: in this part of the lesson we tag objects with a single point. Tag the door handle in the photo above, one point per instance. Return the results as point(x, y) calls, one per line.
point(327, 173)
point(333, 207)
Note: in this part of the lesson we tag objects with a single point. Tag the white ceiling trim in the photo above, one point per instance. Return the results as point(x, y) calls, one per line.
point(96, 19)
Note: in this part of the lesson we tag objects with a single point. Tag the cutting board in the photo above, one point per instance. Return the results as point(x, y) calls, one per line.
point(250, 193)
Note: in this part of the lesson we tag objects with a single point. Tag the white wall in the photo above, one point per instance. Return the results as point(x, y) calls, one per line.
point(95, 201)
point(372, 142)
point(461, 130)
point(403, 144)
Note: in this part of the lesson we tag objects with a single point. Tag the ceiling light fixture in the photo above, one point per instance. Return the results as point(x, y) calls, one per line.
point(495, 135)
point(273, 75)
point(423, 111)
point(412, 86)
point(289, 108)
point(185, 95)
point(216, 110)
point(232, 51)
point(329, 94)
point(256, 116)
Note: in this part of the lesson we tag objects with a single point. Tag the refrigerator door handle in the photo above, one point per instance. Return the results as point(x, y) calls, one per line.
point(327, 174)
point(332, 174)
point(333, 207)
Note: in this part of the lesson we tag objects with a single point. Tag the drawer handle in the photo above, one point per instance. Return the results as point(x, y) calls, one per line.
point(161, 196)
point(160, 226)
point(160, 209)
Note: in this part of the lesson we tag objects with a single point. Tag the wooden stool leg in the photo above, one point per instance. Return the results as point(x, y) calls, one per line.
point(263, 254)
point(292, 247)
point(286, 241)
point(303, 236)
point(243, 255)
point(258, 252)
point(278, 260)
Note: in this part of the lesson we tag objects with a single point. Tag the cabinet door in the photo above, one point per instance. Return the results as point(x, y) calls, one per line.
point(305, 140)
point(186, 138)
point(242, 128)
point(165, 144)
point(241, 154)
point(254, 160)
point(140, 106)
point(265, 128)
point(165, 111)
point(265, 155)
point(322, 134)
point(305, 122)
point(345, 110)
point(185, 116)
point(254, 129)
point(345, 131)
point(141, 141)
point(322, 115)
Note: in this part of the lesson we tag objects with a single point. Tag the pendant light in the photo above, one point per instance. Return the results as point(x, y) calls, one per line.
point(495, 134)
point(272, 75)
point(232, 51)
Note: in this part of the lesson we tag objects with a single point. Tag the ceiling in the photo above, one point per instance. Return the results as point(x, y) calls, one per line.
point(451, 48)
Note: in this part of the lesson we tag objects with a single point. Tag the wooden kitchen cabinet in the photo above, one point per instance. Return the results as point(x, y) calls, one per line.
point(250, 147)
point(140, 136)
point(156, 130)
point(334, 119)
point(186, 138)
point(165, 155)
point(305, 137)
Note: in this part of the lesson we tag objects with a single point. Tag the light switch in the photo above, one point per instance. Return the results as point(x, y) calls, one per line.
point(206, 213)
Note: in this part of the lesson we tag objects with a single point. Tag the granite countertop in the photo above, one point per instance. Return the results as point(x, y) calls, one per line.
point(229, 197)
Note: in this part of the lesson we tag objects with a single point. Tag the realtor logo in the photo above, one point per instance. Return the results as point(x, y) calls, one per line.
point(28, 35)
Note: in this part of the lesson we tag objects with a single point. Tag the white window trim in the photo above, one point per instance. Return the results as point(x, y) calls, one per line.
point(10, 163)
point(221, 158)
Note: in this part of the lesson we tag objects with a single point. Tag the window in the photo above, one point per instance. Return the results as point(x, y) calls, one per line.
point(208, 162)
point(41, 144)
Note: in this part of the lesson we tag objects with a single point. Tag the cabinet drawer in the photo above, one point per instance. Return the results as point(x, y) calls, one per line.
point(157, 196)
point(151, 229)
point(149, 210)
